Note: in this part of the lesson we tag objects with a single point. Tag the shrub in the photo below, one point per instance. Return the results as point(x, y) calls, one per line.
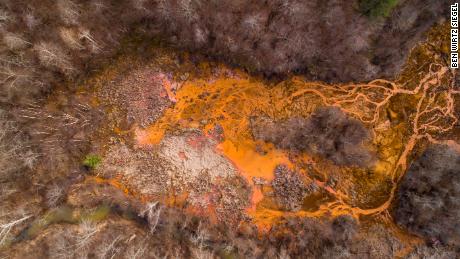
point(92, 161)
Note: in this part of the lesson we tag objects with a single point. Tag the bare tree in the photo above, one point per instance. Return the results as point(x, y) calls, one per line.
point(88, 229)
point(31, 20)
point(15, 42)
point(13, 153)
point(109, 249)
point(152, 213)
point(52, 55)
point(6, 228)
point(68, 11)
point(4, 16)
point(85, 35)
point(54, 195)
point(136, 251)
point(70, 37)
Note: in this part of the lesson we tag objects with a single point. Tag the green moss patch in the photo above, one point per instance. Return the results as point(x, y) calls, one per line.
point(377, 8)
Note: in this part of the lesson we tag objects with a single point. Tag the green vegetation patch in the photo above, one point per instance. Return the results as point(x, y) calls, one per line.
point(92, 161)
point(377, 8)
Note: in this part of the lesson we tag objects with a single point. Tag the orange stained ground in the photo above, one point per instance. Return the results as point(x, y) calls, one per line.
point(115, 182)
point(231, 101)
point(228, 102)
point(230, 98)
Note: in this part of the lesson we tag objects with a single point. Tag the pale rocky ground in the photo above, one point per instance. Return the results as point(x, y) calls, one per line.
point(185, 164)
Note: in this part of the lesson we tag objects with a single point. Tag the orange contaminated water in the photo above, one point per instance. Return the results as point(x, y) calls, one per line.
point(231, 101)
point(252, 164)
point(228, 102)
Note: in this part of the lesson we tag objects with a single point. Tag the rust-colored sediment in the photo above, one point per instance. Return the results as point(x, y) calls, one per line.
point(229, 98)
point(231, 101)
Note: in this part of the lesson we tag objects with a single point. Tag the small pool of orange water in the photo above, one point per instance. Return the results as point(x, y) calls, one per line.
point(251, 163)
